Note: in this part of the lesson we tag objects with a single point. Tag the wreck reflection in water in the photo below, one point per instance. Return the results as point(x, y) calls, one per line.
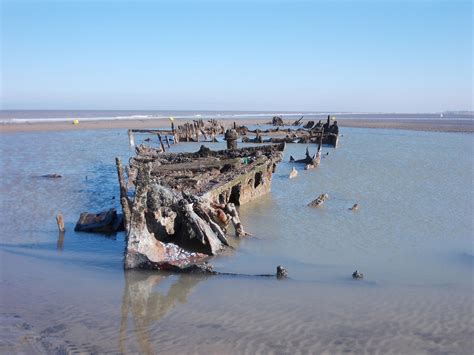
point(148, 303)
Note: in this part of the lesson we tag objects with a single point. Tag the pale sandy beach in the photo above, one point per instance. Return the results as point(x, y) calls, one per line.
point(452, 125)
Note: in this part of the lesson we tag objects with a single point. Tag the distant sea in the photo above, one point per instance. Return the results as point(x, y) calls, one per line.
point(25, 116)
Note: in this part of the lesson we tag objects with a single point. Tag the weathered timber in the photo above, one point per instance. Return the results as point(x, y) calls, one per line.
point(298, 121)
point(190, 132)
point(143, 249)
point(184, 202)
point(277, 121)
point(124, 200)
point(60, 223)
point(308, 159)
point(309, 133)
point(258, 138)
point(231, 137)
point(198, 165)
point(239, 230)
point(146, 151)
point(161, 143)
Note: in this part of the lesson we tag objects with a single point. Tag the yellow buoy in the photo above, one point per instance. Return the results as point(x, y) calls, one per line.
point(75, 122)
point(171, 119)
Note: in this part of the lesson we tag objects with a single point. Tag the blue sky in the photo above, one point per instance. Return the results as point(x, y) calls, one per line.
point(377, 56)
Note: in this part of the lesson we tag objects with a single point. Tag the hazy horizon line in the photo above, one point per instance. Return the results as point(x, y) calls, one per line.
point(243, 110)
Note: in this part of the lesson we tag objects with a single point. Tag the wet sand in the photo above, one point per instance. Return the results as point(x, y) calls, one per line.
point(465, 126)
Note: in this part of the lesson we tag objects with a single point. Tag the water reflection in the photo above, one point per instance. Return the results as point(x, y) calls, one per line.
point(60, 242)
point(148, 300)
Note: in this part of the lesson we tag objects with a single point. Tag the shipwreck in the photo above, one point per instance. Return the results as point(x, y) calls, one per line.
point(178, 208)
point(311, 132)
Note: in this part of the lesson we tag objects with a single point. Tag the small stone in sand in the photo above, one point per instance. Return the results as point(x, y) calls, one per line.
point(355, 207)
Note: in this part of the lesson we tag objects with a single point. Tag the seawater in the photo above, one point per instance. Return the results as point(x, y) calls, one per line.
point(412, 238)
point(34, 116)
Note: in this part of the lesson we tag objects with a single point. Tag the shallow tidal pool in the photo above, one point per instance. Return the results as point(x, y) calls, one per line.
point(412, 238)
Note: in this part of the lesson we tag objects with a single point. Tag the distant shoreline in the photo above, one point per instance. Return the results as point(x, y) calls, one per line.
point(459, 126)
point(433, 125)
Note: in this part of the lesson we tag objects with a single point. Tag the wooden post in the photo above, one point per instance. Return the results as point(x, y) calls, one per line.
point(123, 194)
point(168, 141)
point(130, 138)
point(231, 137)
point(60, 222)
point(176, 135)
point(196, 129)
point(161, 143)
point(239, 230)
point(318, 153)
